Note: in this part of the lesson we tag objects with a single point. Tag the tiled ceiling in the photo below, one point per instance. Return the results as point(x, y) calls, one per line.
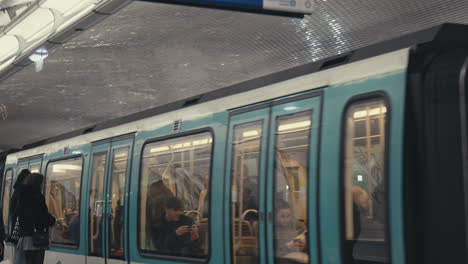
point(150, 54)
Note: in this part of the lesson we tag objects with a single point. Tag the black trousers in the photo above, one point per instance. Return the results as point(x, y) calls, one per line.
point(34, 256)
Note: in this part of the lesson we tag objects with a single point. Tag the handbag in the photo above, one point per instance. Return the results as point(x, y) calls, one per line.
point(15, 233)
point(40, 238)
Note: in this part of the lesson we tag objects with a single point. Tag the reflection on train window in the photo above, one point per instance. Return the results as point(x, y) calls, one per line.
point(6, 198)
point(364, 181)
point(35, 168)
point(244, 191)
point(117, 196)
point(174, 201)
point(62, 192)
point(96, 203)
point(291, 150)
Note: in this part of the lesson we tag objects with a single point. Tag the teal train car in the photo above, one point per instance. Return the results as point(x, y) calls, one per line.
point(360, 158)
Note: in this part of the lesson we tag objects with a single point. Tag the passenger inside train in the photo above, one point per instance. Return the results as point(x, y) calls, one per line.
point(176, 233)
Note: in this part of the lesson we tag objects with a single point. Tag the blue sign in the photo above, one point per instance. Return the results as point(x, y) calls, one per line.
point(282, 6)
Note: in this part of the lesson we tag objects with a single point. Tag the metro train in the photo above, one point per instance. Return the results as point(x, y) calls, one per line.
point(359, 158)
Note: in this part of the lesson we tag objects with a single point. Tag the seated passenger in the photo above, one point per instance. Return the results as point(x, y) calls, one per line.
point(72, 220)
point(176, 233)
point(300, 256)
point(286, 229)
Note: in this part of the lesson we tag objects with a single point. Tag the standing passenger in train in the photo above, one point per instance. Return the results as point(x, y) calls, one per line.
point(35, 219)
point(176, 233)
point(18, 254)
point(157, 195)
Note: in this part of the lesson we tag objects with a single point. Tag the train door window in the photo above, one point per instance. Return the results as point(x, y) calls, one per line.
point(117, 196)
point(35, 168)
point(290, 185)
point(365, 190)
point(174, 196)
point(62, 192)
point(96, 203)
point(6, 197)
point(244, 189)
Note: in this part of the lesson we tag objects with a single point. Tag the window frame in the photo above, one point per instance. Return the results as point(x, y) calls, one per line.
point(264, 122)
point(356, 99)
point(309, 113)
point(60, 245)
point(148, 254)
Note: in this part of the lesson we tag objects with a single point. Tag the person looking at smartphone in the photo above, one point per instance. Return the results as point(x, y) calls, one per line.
point(176, 233)
point(287, 228)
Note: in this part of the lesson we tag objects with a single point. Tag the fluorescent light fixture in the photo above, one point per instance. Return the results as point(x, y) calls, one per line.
point(187, 144)
point(251, 133)
point(62, 168)
point(7, 63)
point(290, 108)
point(71, 20)
point(295, 125)
point(200, 142)
point(159, 149)
point(360, 114)
point(121, 155)
point(67, 7)
point(371, 112)
point(177, 146)
point(39, 24)
point(67, 167)
point(10, 47)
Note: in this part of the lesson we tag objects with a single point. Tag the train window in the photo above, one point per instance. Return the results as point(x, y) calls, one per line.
point(290, 190)
point(244, 192)
point(35, 168)
point(174, 196)
point(365, 193)
point(96, 203)
point(62, 192)
point(117, 195)
point(6, 197)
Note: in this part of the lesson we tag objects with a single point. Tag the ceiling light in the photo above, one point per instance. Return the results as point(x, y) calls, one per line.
point(10, 47)
point(296, 125)
point(250, 133)
point(37, 25)
point(7, 63)
point(66, 167)
point(159, 149)
point(38, 58)
point(67, 7)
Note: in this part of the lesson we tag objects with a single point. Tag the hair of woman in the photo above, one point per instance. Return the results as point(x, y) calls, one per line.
point(34, 182)
point(21, 176)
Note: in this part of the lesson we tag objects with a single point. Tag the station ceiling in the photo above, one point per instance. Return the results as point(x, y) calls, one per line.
point(150, 54)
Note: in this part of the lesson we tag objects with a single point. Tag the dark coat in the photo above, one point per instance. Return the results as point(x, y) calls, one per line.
point(167, 241)
point(33, 213)
point(2, 227)
point(14, 203)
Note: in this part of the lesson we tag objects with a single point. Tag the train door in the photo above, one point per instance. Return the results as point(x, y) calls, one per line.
point(272, 155)
point(107, 216)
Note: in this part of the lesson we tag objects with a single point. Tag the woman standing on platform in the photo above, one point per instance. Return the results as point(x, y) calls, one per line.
point(34, 219)
point(18, 255)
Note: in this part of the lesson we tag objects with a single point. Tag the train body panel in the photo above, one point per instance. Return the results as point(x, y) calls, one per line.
point(340, 156)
